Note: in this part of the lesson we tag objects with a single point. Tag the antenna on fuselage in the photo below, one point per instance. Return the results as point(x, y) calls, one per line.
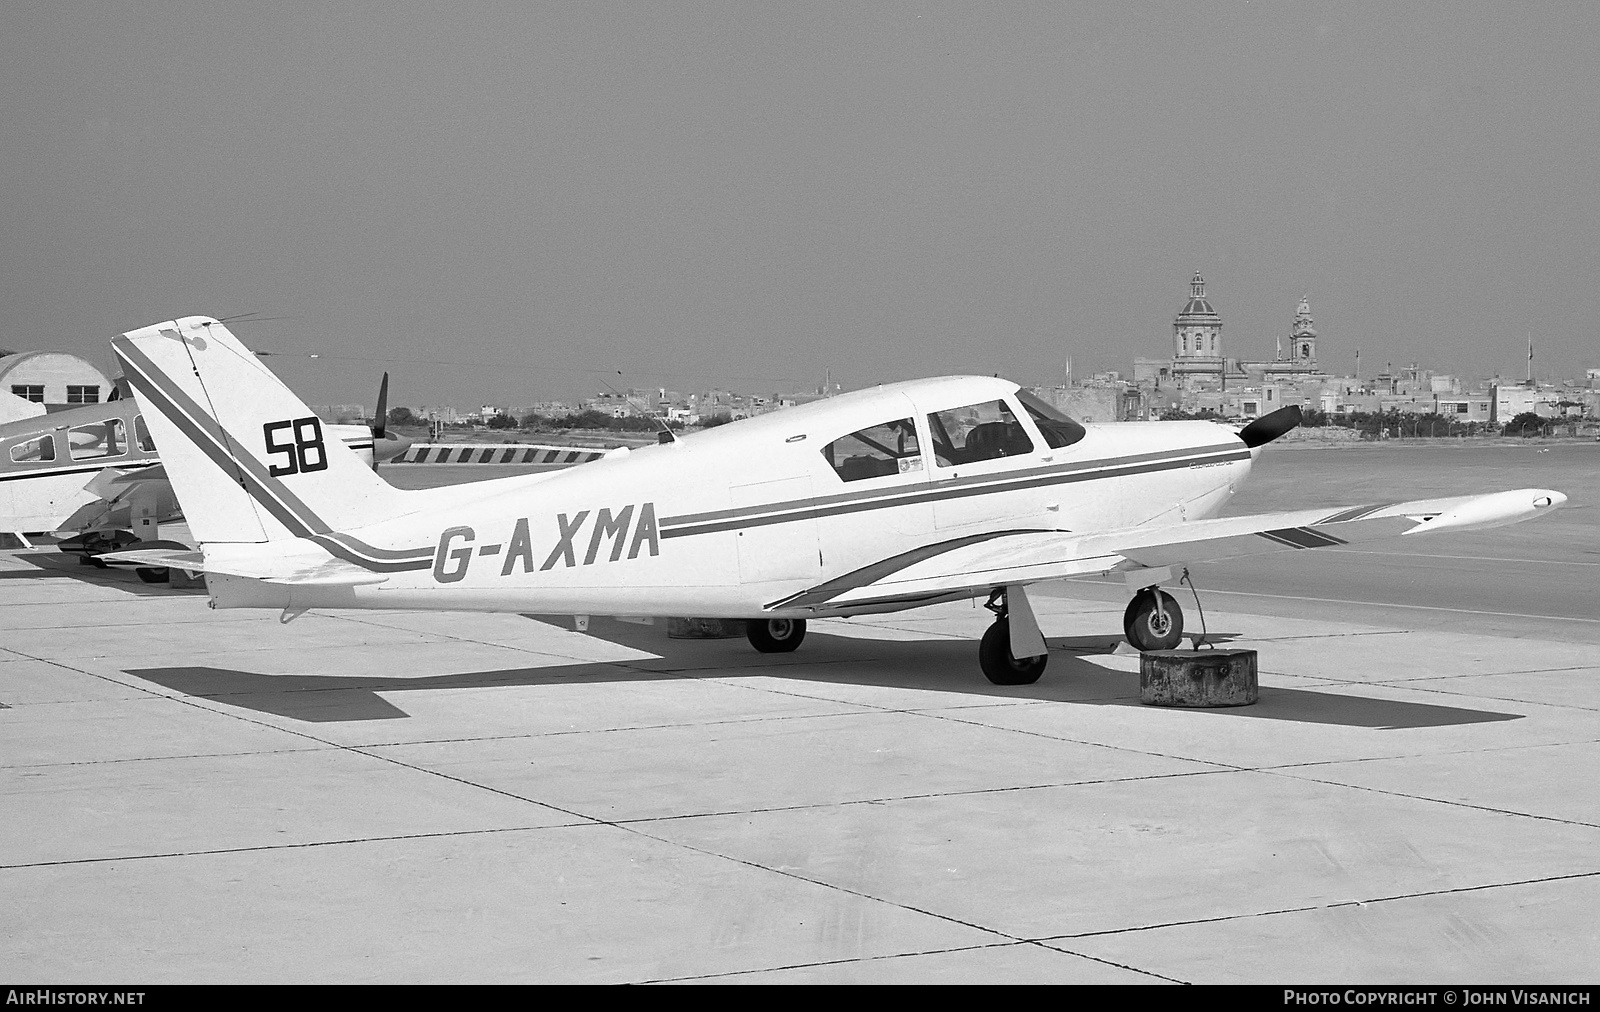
point(666, 435)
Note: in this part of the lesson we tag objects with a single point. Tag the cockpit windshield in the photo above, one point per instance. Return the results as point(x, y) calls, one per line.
point(1058, 430)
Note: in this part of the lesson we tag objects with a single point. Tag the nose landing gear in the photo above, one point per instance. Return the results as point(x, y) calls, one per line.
point(1153, 620)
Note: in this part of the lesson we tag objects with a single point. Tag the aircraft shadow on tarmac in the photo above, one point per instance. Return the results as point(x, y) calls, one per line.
point(943, 665)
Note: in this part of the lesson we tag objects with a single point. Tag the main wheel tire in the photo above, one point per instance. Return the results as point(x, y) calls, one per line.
point(154, 574)
point(1145, 627)
point(775, 635)
point(994, 657)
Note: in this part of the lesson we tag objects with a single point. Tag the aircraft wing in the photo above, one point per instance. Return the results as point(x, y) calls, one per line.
point(1003, 558)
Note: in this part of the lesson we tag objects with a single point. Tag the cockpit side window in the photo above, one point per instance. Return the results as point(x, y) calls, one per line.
point(977, 432)
point(1057, 429)
point(101, 439)
point(876, 451)
point(41, 448)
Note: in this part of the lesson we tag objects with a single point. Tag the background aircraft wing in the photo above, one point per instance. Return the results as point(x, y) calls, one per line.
point(995, 558)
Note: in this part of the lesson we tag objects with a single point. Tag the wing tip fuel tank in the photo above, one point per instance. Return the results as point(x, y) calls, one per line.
point(1496, 509)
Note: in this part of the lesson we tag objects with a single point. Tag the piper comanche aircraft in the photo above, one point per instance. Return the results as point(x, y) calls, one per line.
point(884, 499)
point(91, 475)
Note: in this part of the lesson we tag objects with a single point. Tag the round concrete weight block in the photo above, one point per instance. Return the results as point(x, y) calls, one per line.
point(1199, 678)
point(704, 628)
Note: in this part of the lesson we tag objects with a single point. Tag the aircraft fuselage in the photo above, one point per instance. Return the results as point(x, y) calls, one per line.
point(738, 520)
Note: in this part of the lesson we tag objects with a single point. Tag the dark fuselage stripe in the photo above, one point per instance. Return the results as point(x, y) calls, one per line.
point(208, 435)
point(1028, 476)
point(759, 516)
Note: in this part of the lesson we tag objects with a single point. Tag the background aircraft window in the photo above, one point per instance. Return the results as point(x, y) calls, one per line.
point(1058, 430)
point(141, 434)
point(890, 448)
point(977, 432)
point(102, 439)
point(41, 448)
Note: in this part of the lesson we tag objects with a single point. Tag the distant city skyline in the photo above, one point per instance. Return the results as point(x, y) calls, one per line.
point(513, 204)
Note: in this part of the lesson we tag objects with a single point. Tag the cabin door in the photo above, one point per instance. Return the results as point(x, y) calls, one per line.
point(772, 548)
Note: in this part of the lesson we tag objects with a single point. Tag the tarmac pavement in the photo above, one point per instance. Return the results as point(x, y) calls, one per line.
point(200, 796)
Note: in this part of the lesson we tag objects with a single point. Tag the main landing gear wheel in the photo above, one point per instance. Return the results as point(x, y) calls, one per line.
point(1151, 625)
point(994, 657)
point(154, 574)
point(775, 635)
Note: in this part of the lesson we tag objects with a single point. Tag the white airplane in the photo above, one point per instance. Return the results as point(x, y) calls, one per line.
point(883, 499)
point(91, 475)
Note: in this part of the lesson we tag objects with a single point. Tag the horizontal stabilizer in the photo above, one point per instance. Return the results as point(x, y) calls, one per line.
point(287, 572)
point(157, 557)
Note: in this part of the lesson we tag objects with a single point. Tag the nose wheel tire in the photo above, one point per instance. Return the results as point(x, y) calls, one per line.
point(1147, 628)
point(776, 635)
point(994, 657)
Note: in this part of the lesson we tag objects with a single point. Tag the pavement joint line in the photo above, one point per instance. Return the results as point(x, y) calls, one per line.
point(192, 701)
point(1221, 767)
point(1043, 944)
point(875, 707)
point(930, 796)
point(1311, 907)
point(166, 758)
point(836, 887)
point(264, 848)
point(904, 955)
point(622, 729)
point(1424, 755)
point(855, 892)
point(95, 674)
point(1436, 801)
point(832, 962)
point(1486, 674)
point(1405, 683)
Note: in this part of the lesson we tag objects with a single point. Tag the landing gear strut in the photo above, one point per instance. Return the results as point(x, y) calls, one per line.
point(775, 635)
point(1153, 620)
point(994, 651)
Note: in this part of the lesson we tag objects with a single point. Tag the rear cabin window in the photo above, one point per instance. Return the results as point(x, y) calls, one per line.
point(977, 432)
point(1057, 429)
point(890, 448)
point(40, 448)
point(102, 439)
point(141, 435)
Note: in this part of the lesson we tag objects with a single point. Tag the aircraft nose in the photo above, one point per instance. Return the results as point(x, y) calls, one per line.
point(1549, 499)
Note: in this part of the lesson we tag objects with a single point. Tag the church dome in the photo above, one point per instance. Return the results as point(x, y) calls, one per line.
point(1198, 309)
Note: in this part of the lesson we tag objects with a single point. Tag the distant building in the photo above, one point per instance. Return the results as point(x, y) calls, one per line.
point(53, 378)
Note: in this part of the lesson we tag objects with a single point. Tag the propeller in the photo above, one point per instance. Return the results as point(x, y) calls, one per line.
point(1270, 426)
point(382, 417)
point(385, 446)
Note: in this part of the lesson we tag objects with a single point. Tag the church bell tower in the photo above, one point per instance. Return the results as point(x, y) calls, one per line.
point(1303, 338)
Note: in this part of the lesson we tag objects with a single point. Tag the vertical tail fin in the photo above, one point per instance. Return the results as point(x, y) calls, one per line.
point(247, 459)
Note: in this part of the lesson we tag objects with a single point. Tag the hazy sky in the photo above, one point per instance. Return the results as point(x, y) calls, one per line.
point(511, 202)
